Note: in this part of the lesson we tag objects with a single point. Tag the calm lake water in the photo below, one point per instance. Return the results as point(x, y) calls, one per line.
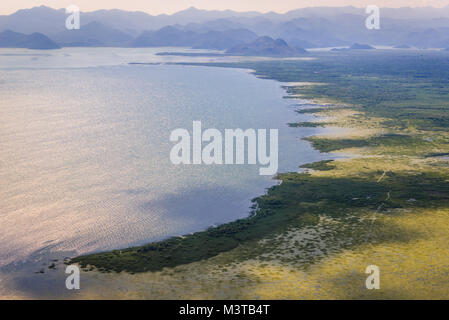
point(84, 161)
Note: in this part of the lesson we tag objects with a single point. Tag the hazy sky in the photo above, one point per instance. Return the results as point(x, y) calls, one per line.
point(170, 6)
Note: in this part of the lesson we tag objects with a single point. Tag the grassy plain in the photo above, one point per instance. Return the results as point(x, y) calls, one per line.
point(313, 236)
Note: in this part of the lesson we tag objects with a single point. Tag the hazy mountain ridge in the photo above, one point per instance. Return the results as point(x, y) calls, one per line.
point(36, 40)
point(266, 46)
point(93, 34)
point(172, 36)
point(308, 27)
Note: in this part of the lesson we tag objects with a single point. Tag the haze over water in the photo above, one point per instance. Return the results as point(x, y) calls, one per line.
point(84, 162)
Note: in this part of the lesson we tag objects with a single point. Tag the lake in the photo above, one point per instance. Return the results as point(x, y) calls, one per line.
point(84, 140)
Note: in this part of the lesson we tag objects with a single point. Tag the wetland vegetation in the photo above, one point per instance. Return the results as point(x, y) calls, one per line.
point(322, 227)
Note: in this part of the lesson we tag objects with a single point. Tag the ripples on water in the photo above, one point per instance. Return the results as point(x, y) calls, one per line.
point(84, 162)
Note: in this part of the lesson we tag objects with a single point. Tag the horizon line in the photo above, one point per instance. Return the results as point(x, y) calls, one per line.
point(224, 10)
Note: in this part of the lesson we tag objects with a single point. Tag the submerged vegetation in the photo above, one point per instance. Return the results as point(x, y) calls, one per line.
point(314, 234)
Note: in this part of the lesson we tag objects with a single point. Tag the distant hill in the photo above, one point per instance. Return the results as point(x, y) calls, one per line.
point(266, 46)
point(224, 39)
point(167, 36)
point(429, 38)
point(358, 46)
point(355, 46)
point(38, 19)
point(11, 39)
point(93, 34)
point(174, 37)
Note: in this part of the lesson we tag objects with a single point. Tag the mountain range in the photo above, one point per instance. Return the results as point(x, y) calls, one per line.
point(211, 39)
point(36, 40)
point(425, 27)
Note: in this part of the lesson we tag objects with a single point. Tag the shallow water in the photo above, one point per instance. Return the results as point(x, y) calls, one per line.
point(84, 162)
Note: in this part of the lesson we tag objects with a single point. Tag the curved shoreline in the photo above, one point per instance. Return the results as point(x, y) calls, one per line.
point(388, 207)
point(200, 245)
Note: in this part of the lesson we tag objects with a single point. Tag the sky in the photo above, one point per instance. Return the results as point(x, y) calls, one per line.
point(171, 6)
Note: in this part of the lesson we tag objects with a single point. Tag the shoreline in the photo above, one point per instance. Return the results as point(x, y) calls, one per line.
point(388, 206)
point(89, 265)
